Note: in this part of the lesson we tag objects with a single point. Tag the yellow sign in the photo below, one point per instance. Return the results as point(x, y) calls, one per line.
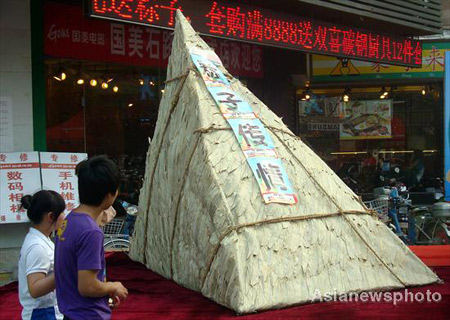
point(329, 69)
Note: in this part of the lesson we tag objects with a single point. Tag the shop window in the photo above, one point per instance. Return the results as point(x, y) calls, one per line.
point(103, 108)
point(376, 131)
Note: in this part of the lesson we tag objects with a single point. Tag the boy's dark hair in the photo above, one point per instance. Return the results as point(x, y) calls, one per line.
point(97, 177)
point(43, 202)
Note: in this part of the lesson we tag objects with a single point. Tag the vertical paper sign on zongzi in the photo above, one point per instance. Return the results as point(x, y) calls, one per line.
point(252, 136)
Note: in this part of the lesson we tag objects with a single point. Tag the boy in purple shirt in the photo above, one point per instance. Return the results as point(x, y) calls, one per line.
point(81, 289)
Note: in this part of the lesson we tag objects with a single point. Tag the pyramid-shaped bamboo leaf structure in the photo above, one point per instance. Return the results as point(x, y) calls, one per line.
point(204, 224)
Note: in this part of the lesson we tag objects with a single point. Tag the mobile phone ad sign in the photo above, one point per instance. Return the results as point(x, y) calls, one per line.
point(58, 173)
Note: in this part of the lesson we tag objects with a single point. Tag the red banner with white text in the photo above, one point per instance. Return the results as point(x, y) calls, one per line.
point(68, 34)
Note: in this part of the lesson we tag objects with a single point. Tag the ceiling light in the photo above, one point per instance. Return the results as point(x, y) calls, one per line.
point(60, 75)
point(141, 82)
point(104, 85)
point(80, 81)
point(306, 95)
point(130, 105)
point(384, 93)
point(93, 82)
point(115, 88)
point(346, 96)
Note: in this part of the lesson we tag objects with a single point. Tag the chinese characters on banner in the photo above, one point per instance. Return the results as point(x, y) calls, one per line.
point(19, 176)
point(225, 19)
point(333, 69)
point(71, 35)
point(253, 138)
point(58, 173)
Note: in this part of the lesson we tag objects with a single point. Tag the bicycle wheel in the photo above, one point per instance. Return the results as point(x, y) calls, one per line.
point(117, 244)
point(440, 236)
point(437, 234)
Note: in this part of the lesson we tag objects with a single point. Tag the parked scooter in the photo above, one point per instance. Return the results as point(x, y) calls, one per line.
point(399, 210)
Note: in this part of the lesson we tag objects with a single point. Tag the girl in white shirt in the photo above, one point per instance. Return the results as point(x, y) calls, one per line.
point(36, 280)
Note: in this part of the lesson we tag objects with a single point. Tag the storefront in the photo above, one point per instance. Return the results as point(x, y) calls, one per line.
point(104, 80)
point(367, 119)
point(264, 43)
point(104, 77)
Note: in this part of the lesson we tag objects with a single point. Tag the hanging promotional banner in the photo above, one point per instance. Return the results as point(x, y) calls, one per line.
point(447, 126)
point(370, 119)
point(58, 173)
point(19, 176)
point(250, 133)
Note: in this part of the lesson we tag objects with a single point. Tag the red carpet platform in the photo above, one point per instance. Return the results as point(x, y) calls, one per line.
point(433, 256)
point(154, 297)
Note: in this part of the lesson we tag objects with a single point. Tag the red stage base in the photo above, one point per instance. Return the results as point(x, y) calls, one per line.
point(433, 256)
point(154, 297)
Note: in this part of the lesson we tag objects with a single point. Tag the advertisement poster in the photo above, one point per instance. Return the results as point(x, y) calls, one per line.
point(320, 105)
point(369, 119)
point(19, 176)
point(58, 173)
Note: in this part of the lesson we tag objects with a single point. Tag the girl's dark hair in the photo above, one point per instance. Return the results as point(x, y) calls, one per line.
point(42, 202)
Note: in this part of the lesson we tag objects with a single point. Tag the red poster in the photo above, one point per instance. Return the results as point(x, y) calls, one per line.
point(68, 34)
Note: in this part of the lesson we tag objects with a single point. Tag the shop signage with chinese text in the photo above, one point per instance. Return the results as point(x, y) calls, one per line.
point(58, 173)
point(19, 176)
point(252, 24)
point(68, 34)
point(332, 69)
